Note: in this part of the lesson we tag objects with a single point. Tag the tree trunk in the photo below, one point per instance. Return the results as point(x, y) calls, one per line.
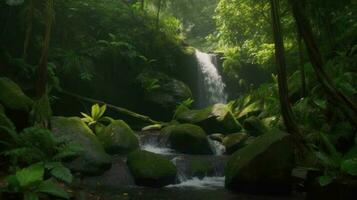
point(301, 65)
point(142, 5)
point(158, 14)
point(42, 67)
point(338, 98)
point(29, 19)
point(286, 110)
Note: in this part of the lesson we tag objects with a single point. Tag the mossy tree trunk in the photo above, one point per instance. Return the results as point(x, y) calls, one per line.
point(42, 109)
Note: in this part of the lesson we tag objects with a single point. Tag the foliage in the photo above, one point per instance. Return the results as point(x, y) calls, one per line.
point(37, 145)
point(31, 182)
point(96, 115)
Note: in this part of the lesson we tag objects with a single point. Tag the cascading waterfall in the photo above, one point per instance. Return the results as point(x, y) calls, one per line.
point(211, 87)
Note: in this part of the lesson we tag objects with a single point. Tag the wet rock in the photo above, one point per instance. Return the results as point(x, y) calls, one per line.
point(234, 142)
point(118, 138)
point(118, 176)
point(217, 136)
point(93, 160)
point(152, 170)
point(215, 119)
point(263, 167)
point(188, 138)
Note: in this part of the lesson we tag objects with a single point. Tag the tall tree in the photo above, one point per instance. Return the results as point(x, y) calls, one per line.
point(42, 108)
point(42, 67)
point(336, 97)
point(29, 19)
point(285, 105)
point(158, 13)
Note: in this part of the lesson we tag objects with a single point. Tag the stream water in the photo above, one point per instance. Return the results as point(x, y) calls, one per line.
point(187, 187)
point(211, 87)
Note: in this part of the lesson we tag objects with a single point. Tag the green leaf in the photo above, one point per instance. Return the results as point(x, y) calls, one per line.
point(62, 173)
point(350, 166)
point(31, 196)
point(102, 110)
point(95, 111)
point(53, 189)
point(86, 116)
point(325, 180)
point(30, 175)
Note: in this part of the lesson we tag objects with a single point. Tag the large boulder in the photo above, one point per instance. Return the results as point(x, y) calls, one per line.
point(12, 97)
point(262, 167)
point(150, 169)
point(214, 119)
point(93, 160)
point(118, 138)
point(234, 142)
point(188, 138)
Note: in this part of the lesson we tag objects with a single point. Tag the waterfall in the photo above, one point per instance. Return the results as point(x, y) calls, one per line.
point(211, 87)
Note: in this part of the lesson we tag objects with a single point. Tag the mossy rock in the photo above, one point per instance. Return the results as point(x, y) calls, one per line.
point(214, 119)
point(150, 169)
point(262, 167)
point(254, 126)
point(13, 97)
point(234, 142)
point(93, 159)
point(188, 138)
point(118, 138)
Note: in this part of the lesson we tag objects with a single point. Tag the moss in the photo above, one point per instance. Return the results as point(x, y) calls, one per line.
point(94, 159)
point(149, 169)
point(188, 138)
point(214, 119)
point(234, 142)
point(264, 166)
point(118, 138)
point(13, 97)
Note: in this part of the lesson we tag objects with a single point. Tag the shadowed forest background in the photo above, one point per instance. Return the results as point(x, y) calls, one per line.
point(178, 99)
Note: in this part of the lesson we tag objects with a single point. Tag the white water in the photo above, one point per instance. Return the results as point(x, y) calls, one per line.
point(158, 150)
point(206, 182)
point(211, 86)
point(217, 147)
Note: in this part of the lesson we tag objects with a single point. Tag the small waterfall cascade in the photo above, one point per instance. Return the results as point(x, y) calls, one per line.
point(189, 166)
point(211, 86)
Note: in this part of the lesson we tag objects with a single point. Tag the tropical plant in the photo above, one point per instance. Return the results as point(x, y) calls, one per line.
point(96, 115)
point(30, 183)
point(333, 164)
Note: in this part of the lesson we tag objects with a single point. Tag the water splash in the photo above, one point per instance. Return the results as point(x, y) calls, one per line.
point(211, 86)
point(217, 147)
point(206, 183)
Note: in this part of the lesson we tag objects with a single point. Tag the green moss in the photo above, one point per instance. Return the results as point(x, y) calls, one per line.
point(118, 138)
point(188, 138)
point(265, 165)
point(12, 96)
point(93, 159)
point(151, 169)
point(214, 119)
point(234, 142)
